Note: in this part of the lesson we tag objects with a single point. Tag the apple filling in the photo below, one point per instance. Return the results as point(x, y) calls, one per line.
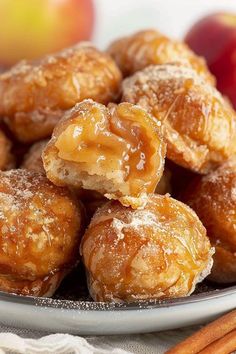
point(118, 151)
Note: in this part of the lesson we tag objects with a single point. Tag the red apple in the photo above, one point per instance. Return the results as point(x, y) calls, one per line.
point(31, 28)
point(214, 37)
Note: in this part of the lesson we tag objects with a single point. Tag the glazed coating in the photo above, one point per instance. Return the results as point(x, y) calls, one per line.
point(199, 125)
point(213, 197)
point(6, 157)
point(150, 47)
point(35, 95)
point(159, 251)
point(39, 233)
point(33, 158)
point(117, 151)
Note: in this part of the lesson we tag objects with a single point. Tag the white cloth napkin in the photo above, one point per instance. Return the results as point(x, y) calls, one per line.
point(26, 341)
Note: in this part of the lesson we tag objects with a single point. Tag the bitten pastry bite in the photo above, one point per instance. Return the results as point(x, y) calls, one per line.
point(199, 125)
point(117, 151)
point(160, 251)
point(6, 157)
point(35, 95)
point(39, 233)
point(33, 159)
point(213, 197)
point(151, 47)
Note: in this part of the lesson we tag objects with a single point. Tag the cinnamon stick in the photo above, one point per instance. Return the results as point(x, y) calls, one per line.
point(206, 335)
point(224, 345)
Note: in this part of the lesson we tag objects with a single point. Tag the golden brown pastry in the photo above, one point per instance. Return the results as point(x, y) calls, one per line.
point(151, 47)
point(213, 197)
point(35, 95)
point(117, 151)
point(33, 158)
point(159, 251)
point(6, 157)
point(39, 233)
point(199, 125)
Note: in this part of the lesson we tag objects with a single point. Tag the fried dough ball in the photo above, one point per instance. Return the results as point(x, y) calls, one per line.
point(160, 251)
point(35, 95)
point(199, 125)
point(117, 151)
point(6, 157)
point(39, 233)
point(150, 47)
point(33, 159)
point(213, 197)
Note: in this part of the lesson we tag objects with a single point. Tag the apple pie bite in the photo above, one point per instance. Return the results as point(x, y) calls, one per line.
point(150, 47)
point(35, 95)
point(199, 124)
point(213, 197)
point(116, 150)
point(158, 251)
point(40, 227)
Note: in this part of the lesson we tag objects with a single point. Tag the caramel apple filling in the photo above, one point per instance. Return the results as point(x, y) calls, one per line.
point(121, 143)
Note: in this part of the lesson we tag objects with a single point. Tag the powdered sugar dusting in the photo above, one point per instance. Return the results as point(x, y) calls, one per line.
point(172, 73)
point(137, 220)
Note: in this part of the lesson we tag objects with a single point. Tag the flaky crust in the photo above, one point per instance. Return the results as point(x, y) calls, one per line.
point(33, 158)
point(150, 47)
point(159, 251)
point(117, 151)
point(39, 233)
point(199, 125)
point(35, 95)
point(213, 197)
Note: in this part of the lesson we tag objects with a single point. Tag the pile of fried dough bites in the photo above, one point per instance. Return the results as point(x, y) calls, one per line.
point(92, 145)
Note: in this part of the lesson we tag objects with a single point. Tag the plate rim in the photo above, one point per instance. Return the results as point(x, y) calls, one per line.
point(102, 306)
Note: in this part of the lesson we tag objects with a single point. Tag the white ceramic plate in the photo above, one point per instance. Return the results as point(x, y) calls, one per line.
point(84, 317)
